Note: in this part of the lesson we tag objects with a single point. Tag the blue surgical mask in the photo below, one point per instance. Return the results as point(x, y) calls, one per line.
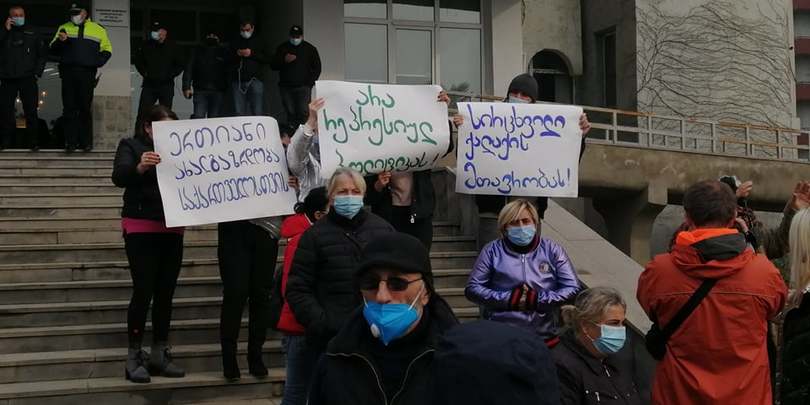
point(518, 100)
point(348, 205)
point(155, 35)
point(18, 21)
point(612, 339)
point(246, 34)
point(77, 19)
point(390, 321)
point(296, 41)
point(521, 235)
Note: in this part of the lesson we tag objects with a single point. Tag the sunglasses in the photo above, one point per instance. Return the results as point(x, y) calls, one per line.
point(371, 282)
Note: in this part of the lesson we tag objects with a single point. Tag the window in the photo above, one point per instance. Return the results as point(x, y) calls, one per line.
point(803, 69)
point(415, 42)
point(607, 55)
point(801, 24)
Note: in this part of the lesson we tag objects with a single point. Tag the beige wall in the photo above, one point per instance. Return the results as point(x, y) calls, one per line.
point(555, 25)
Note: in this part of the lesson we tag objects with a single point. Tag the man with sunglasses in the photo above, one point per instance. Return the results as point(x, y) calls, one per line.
point(384, 352)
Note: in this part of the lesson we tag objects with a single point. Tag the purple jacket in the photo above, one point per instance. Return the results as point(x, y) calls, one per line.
point(499, 270)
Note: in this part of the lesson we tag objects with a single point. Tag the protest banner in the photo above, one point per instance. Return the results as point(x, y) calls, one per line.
point(374, 128)
point(221, 169)
point(519, 149)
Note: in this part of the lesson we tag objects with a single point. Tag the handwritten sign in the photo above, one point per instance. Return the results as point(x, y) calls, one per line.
point(374, 128)
point(519, 149)
point(222, 169)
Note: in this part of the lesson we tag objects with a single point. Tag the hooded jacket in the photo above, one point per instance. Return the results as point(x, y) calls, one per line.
point(291, 229)
point(22, 53)
point(141, 195)
point(356, 364)
point(719, 354)
point(500, 270)
point(321, 289)
point(489, 363)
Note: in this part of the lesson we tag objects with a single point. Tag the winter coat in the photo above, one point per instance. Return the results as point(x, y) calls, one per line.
point(719, 354)
point(321, 289)
point(87, 46)
point(205, 70)
point(252, 67)
point(304, 161)
point(586, 380)
point(291, 229)
point(158, 63)
point(22, 54)
point(353, 370)
point(303, 71)
point(491, 363)
point(795, 388)
point(141, 195)
point(500, 272)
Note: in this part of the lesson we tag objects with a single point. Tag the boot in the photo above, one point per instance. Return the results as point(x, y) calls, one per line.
point(135, 369)
point(256, 363)
point(160, 362)
point(230, 366)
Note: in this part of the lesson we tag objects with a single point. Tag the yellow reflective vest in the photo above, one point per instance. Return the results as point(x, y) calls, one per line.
point(87, 45)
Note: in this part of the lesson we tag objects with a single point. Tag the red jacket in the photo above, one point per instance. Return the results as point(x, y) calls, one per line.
point(719, 354)
point(292, 228)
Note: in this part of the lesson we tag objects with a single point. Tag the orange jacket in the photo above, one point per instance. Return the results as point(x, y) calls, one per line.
point(719, 354)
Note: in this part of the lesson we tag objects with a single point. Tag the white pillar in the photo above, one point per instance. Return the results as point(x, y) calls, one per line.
point(507, 43)
point(114, 16)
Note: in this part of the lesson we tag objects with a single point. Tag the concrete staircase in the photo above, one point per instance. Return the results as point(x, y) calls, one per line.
point(64, 290)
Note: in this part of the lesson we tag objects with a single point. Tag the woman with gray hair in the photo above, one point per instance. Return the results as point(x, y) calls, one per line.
point(595, 331)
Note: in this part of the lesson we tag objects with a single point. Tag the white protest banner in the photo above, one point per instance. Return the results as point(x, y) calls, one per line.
point(221, 169)
point(374, 128)
point(519, 149)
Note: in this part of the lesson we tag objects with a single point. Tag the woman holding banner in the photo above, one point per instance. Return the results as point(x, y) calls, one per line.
point(520, 278)
point(155, 252)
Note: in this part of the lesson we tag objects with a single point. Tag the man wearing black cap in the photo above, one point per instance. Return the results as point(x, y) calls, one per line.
point(299, 66)
point(384, 352)
point(158, 61)
point(82, 47)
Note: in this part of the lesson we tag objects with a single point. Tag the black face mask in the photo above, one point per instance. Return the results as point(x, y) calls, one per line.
point(211, 42)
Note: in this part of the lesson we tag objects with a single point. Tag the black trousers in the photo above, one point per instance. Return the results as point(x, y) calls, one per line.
point(78, 84)
point(296, 104)
point(28, 91)
point(163, 95)
point(421, 229)
point(154, 263)
point(247, 259)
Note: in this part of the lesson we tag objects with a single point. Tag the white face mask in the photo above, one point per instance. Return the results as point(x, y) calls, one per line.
point(246, 34)
point(518, 100)
point(77, 19)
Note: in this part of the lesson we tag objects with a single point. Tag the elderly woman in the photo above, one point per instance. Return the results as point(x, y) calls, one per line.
point(595, 331)
point(521, 278)
point(795, 387)
point(320, 288)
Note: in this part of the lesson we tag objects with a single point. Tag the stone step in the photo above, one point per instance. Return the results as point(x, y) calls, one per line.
point(61, 199)
point(97, 312)
point(193, 388)
point(63, 210)
point(17, 188)
point(442, 262)
point(61, 162)
point(57, 180)
point(92, 252)
point(99, 363)
point(54, 154)
point(57, 171)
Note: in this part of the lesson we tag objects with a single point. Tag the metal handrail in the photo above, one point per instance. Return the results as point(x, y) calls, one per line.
point(653, 131)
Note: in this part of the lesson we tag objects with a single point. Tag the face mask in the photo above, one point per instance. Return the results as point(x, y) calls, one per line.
point(612, 339)
point(18, 21)
point(296, 41)
point(518, 100)
point(77, 19)
point(390, 321)
point(155, 35)
point(348, 205)
point(521, 235)
point(246, 34)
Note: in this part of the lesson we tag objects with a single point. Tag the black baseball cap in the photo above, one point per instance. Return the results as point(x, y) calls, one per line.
point(157, 26)
point(77, 7)
point(296, 31)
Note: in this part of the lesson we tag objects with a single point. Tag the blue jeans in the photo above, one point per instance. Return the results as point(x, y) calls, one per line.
point(207, 103)
point(248, 97)
point(301, 362)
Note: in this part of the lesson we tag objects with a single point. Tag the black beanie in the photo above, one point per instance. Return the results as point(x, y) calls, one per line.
point(398, 251)
point(526, 84)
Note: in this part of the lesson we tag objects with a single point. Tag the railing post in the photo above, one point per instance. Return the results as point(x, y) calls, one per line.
point(615, 119)
point(683, 134)
point(649, 131)
point(779, 144)
point(749, 149)
point(714, 137)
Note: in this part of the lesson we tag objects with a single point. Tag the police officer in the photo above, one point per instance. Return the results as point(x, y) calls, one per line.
point(82, 47)
point(22, 61)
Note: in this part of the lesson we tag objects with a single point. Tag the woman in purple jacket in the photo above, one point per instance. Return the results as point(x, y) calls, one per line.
point(522, 279)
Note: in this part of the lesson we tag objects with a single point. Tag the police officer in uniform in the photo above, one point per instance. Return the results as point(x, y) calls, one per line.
point(82, 47)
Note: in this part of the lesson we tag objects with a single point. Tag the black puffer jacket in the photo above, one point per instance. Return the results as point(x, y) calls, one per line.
point(158, 63)
point(141, 194)
point(796, 355)
point(205, 70)
point(586, 380)
point(253, 66)
point(22, 54)
point(356, 367)
point(321, 289)
point(303, 71)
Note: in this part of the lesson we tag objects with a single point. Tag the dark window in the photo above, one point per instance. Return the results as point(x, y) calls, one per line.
point(181, 25)
point(607, 50)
